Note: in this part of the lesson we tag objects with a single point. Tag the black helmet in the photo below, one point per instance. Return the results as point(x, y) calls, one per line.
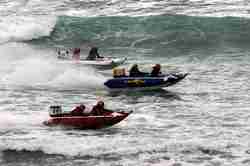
point(100, 103)
point(82, 106)
point(94, 48)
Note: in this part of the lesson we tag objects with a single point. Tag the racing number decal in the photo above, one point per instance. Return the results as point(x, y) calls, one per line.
point(136, 82)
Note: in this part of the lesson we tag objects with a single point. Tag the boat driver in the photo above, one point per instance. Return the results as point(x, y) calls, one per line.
point(93, 54)
point(156, 71)
point(98, 109)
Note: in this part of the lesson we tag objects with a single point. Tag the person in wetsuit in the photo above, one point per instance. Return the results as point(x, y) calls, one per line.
point(135, 72)
point(76, 53)
point(98, 109)
point(93, 54)
point(156, 70)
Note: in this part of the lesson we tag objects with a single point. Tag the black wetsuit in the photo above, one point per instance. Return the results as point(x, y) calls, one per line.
point(135, 72)
point(93, 54)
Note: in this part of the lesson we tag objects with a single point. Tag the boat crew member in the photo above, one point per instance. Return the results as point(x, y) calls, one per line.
point(98, 109)
point(78, 111)
point(76, 53)
point(93, 54)
point(135, 72)
point(156, 70)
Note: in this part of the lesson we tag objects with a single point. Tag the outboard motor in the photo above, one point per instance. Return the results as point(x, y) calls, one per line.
point(63, 54)
point(55, 110)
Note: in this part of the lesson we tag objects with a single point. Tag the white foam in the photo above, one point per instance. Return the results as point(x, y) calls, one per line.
point(23, 27)
point(17, 121)
point(26, 66)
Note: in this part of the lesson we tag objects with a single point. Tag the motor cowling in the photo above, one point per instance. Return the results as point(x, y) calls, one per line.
point(55, 110)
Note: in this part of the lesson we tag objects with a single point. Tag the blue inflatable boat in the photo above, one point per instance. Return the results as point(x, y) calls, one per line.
point(144, 82)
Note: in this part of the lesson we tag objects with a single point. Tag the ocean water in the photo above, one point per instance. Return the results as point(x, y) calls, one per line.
point(201, 121)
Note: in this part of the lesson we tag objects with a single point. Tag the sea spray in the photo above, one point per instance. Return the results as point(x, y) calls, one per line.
point(31, 67)
point(21, 28)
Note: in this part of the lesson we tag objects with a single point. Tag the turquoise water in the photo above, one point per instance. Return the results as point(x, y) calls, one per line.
point(176, 35)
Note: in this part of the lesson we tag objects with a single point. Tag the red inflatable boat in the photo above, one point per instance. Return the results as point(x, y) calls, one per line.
point(108, 119)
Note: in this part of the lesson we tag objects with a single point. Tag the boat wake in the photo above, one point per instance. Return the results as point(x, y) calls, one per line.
point(32, 68)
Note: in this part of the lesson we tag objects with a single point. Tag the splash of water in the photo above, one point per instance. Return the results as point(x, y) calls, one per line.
point(20, 28)
point(26, 66)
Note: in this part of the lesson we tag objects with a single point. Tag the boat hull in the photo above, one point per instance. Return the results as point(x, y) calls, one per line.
point(103, 63)
point(144, 82)
point(88, 122)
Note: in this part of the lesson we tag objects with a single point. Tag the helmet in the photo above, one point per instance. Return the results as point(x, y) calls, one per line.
point(135, 65)
point(158, 66)
point(82, 106)
point(100, 103)
point(94, 48)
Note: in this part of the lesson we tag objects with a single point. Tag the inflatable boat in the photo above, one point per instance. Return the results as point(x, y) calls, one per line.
point(109, 118)
point(144, 82)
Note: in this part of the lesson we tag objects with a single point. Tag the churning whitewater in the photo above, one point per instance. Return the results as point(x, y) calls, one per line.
point(201, 121)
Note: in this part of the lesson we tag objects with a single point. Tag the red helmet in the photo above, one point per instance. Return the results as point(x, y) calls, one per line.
point(158, 66)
